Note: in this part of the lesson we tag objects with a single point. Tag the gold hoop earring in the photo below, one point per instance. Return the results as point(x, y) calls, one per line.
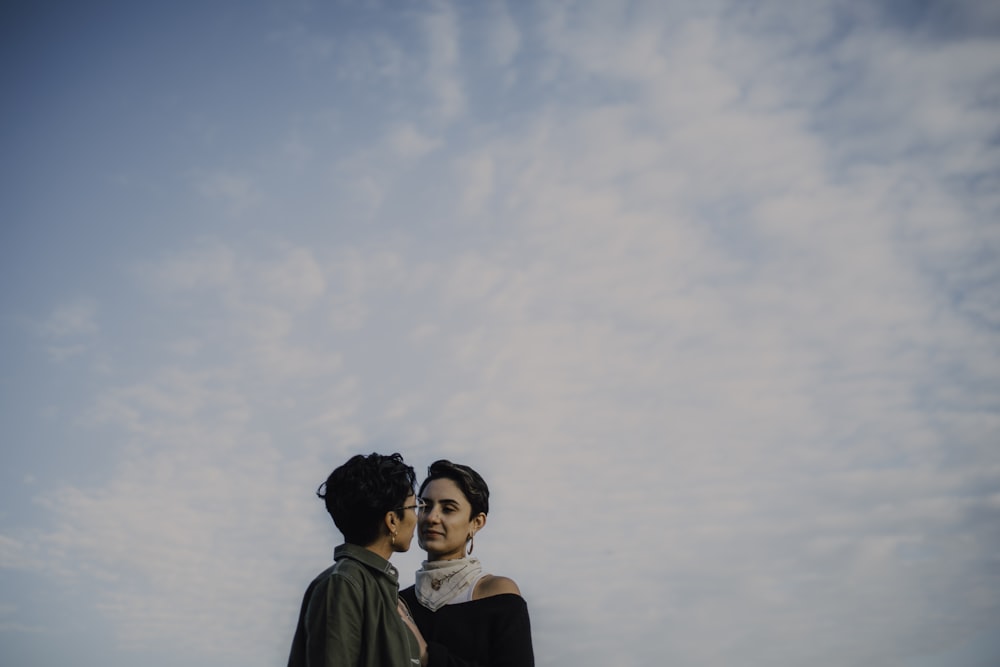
point(472, 543)
point(393, 540)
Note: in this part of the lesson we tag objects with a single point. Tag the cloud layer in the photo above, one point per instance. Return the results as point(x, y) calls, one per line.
point(706, 293)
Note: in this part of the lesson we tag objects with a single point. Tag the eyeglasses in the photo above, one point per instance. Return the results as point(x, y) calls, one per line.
point(419, 507)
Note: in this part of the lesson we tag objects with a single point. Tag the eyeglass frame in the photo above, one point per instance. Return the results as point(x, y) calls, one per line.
point(420, 506)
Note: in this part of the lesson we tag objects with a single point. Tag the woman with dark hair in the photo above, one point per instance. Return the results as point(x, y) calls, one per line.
point(350, 615)
point(465, 617)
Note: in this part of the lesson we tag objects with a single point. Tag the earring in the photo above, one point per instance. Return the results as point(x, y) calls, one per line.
point(472, 543)
point(393, 540)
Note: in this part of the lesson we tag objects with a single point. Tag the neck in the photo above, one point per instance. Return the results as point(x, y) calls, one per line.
point(455, 555)
point(380, 548)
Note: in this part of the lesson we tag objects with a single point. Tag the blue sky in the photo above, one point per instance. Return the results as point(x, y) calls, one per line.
point(707, 292)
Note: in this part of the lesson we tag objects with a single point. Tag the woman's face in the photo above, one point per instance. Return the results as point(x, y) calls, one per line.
point(445, 524)
point(404, 534)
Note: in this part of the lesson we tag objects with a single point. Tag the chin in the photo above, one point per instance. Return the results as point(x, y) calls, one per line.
point(438, 553)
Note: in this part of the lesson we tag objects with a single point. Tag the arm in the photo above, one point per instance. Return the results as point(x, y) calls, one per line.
point(513, 638)
point(334, 623)
point(404, 613)
point(438, 655)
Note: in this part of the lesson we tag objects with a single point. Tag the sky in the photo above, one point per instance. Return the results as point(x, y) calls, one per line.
point(707, 291)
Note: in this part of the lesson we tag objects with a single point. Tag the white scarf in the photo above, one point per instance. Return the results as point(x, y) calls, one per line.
point(441, 580)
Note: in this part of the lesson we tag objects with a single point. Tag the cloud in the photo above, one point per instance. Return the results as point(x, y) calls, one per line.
point(71, 320)
point(195, 492)
point(12, 554)
point(476, 174)
point(308, 47)
point(503, 38)
point(408, 142)
point(236, 191)
point(71, 329)
point(441, 31)
point(711, 314)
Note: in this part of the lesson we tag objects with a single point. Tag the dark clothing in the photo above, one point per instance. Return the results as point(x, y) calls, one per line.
point(489, 632)
point(349, 616)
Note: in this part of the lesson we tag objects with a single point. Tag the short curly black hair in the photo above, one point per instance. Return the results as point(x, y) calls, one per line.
point(468, 480)
point(359, 493)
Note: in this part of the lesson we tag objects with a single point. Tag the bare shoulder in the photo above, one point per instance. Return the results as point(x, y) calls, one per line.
point(491, 585)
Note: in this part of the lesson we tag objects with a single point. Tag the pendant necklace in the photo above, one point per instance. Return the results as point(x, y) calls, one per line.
point(437, 583)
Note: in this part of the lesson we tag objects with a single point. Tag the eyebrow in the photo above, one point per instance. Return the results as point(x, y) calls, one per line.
point(443, 501)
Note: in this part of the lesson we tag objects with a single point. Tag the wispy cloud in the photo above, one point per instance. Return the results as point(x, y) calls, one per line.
point(408, 142)
point(73, 319)
point(236, 191)
point(503, 37)
point(712, 309)
point(443, 79)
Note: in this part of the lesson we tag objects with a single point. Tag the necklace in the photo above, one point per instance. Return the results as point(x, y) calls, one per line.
point(437, 583)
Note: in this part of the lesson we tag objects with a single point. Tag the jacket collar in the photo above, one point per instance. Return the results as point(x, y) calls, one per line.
point(366, 557)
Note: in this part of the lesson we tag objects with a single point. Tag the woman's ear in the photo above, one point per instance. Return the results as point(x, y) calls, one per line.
point(479, 521)
point(391, 522)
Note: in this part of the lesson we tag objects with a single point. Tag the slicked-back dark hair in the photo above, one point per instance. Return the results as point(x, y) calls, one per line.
point(468, 480)
point(359, 493)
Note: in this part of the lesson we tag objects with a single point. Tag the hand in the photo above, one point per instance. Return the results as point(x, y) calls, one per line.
point(404, 613)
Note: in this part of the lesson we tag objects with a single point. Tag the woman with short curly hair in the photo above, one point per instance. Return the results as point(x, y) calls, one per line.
point(350, 615)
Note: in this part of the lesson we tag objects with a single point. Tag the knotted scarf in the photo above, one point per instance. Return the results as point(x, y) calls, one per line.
point(439, 581)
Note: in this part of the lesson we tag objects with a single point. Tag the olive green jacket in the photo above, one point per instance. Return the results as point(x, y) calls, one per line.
point(349, 616)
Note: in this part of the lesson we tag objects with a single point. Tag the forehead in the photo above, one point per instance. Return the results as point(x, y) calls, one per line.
point(443, 489)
